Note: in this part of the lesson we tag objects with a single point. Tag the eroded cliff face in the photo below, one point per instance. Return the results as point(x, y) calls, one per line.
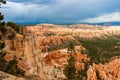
point(30, 57)
point(28, 54)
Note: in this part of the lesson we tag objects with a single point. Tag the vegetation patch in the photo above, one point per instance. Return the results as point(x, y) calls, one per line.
point(101, 50)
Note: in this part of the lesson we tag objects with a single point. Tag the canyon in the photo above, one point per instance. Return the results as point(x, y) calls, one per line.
point(42, 50)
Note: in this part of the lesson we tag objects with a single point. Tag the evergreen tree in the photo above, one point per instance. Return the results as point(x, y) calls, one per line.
point(14, 26)
point(2, 44)
point(2, 23)
point(70, 70)
point(11, 66)
point(2, 2)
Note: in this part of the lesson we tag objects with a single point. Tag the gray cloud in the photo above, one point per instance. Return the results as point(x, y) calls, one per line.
point(57, 10)
point(111, 17)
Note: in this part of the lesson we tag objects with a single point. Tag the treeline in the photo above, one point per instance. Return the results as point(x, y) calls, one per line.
point(14, 26)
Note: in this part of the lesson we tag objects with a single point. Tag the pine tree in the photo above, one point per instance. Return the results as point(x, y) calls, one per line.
point(2, 44)
point(70, 70)
point(11, 66)
point(2, 23)
point(13, 26)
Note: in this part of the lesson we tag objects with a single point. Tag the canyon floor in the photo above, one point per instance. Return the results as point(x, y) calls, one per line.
point(43, 50)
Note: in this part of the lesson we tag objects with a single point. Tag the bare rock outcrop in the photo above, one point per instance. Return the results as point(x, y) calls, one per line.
point(5, 76)
point(109, 71)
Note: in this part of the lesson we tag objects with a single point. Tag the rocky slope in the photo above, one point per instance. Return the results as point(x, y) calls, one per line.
point(5, 76)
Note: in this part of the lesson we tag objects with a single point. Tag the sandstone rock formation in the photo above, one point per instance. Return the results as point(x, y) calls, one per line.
point(5, 76)
point(109, 71)
point(31, 50)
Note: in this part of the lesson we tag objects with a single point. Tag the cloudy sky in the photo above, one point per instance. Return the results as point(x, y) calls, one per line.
point(62, 11)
